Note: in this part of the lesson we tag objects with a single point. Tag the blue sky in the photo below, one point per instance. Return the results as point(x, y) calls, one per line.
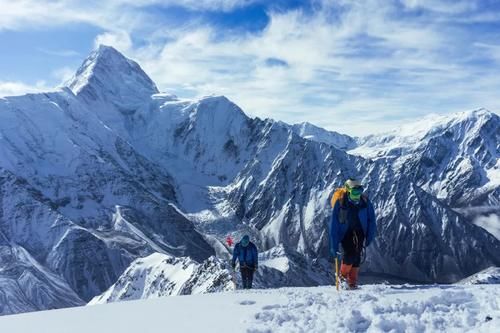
point(358, 67)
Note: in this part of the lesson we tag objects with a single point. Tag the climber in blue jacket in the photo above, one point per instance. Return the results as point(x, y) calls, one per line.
point(246, 253)
point(354, 226)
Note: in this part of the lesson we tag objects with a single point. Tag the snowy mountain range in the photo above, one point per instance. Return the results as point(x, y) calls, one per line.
point(112, 190)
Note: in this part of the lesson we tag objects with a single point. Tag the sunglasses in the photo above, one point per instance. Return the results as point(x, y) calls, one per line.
point(356, 189)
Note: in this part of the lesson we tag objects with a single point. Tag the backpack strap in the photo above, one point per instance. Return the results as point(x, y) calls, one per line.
point(343, 209)
point(343, 201)
point(338, 195)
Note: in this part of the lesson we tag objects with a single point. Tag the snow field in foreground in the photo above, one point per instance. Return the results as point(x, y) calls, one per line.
point(374, 308)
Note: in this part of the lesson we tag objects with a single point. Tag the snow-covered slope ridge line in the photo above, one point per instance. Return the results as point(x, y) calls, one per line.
point(409, 137)
point(398, 308)
point(490, 275)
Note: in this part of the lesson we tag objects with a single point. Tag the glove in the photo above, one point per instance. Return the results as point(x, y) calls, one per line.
point(332, 255)
point(233, 265)
point(331, 258)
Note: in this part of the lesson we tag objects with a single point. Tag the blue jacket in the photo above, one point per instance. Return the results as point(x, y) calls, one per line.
point(247, 256)
point(338, 230)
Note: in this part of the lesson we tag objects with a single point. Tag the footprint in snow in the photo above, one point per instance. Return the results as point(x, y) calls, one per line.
point(247, 302)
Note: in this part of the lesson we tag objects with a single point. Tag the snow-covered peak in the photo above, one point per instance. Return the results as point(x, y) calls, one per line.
point(312, 132)
point(436, 124)
point(219, 110)
point(109, 75)
point(412, 135)
point(477, 114)
point(454, 157)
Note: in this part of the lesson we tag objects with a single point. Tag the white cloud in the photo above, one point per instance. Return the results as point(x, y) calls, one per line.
point(61, 53)
point(119, 39)
point(490, 223)
point(214, 5)
point(16, 88)
point(22, 13)
point(9, 88)
point(491, 50)
point(63, 74)
point(442, 6)
point(110, 14)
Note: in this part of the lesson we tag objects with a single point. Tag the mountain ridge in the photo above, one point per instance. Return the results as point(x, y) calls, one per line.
point(124, 178)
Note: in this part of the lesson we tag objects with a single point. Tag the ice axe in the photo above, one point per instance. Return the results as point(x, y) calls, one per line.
point(337, 271)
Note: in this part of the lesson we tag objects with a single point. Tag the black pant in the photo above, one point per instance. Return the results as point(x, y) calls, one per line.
point(353, 246)
point(246, 277)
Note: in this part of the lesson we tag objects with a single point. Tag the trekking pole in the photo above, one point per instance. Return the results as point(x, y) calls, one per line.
point(230, 242)
point(235, 279)
point(337, 273)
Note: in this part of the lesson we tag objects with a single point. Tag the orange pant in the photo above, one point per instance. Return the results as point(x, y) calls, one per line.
point(350, 273)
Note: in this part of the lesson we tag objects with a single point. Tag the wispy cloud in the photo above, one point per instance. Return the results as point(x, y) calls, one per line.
point(61, 53)
point(213, 5)
point(442, 6)
point(119, 39)
point(63, 74)
point(18, 88)
point(110, 14)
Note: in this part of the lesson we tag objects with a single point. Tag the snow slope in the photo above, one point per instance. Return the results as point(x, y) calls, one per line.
point(374, 308)
point(490, 275)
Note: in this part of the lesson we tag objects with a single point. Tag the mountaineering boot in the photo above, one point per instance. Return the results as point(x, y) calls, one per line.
point(344, 276)
point(345, 270)
point(352, 278)
point(343, 284)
